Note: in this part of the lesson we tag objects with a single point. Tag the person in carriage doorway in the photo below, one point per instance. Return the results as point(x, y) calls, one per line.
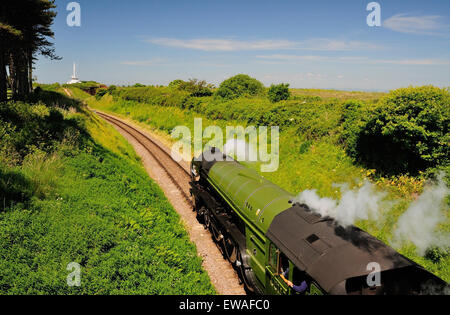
point(300, 286)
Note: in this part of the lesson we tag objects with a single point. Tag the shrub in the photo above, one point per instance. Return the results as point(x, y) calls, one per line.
point(352, 124)
point(408, 132)
point(26, 126)
point(240, 85)
point(195, 87)
point(175, 83)
point(279, 92)
point(111, 89)
point(100, 93)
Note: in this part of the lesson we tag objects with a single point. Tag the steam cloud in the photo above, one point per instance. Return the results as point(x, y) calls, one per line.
point(417, 224)
point(359, 204)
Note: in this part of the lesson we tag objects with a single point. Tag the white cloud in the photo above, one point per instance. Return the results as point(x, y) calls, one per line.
point(144, 63)
point(209, 44)
point(337, 45)
point(420, 25)
point(280, 58)
point(415, 62)
point(294, 77)
point(206, 44)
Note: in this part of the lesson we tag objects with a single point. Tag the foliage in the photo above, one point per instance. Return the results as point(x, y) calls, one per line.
point(328, 94)
point(407, 132)
point(84, 85)
point(437, 254)
point(380, 135)
point(240, 85)
point(352, 122)
point(111, 89)
point(176, 83)
point(152, 95)
point(194, 87)
point(76, 193)
point(100, 92)
point(279, 92)
point(25, 27)
point(27, 126)
point(47, 87)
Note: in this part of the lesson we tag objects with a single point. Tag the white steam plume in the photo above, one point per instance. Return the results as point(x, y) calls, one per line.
point(359, 204)
point(418, 224)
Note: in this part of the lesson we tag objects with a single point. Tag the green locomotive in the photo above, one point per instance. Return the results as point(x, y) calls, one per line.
point(263, 233)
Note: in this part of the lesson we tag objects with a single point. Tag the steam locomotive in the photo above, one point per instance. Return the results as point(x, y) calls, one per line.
point(262, 232)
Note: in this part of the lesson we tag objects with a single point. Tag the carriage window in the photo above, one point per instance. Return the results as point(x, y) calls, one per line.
point(273, 256)
point(284, 264)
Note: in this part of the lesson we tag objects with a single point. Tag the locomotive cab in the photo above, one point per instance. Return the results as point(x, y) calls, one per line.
point(276, 265)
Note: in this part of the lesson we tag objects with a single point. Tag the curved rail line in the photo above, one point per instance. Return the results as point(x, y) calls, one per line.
point(177, 174)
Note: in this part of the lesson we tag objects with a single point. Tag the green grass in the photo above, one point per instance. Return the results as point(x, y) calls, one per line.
point(311, 156)
point(87, 199)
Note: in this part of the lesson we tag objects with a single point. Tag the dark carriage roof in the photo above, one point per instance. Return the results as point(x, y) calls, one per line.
point(328, 252)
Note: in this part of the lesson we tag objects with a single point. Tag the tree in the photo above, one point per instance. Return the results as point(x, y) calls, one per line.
point(8, 33)
point(195, 87)
point(240, 85)
point(25, 27)
point(279, 92)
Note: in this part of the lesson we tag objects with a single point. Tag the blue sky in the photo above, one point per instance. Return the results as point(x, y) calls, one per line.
point(310, 44)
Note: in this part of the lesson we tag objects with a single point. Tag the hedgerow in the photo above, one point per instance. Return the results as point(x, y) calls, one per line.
point(406, 131)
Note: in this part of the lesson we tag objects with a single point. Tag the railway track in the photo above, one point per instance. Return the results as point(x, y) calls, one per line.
point(177, 174)
point(222, 274)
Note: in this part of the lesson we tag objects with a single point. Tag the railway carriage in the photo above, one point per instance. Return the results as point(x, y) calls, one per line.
point(261, 231)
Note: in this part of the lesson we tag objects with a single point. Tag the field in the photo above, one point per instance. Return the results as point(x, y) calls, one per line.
point(312, 152)
point(73, 190)
point(337, 94)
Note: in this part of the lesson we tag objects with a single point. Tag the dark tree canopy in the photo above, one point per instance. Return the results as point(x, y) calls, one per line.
point(24, 33)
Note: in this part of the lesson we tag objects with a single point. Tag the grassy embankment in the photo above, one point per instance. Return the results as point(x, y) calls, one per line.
point(73, 190)
point(312, 155)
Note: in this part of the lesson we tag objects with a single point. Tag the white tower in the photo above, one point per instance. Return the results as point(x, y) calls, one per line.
point(74, 76)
